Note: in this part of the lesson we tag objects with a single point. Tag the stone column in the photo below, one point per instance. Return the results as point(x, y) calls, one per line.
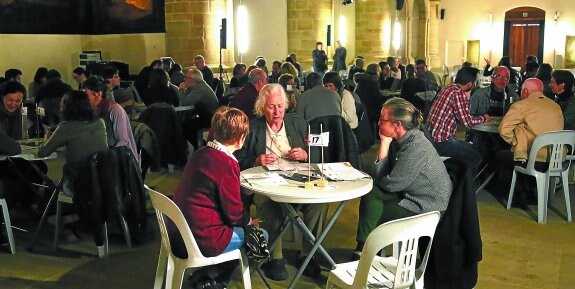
point(433, 58)
point(192, 28)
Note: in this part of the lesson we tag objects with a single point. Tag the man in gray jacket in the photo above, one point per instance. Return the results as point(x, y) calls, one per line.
point(317, 100)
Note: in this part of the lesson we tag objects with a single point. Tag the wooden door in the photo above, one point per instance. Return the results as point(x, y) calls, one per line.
point(523, 41)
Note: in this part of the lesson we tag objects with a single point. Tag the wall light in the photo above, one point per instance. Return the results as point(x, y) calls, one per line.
point(242, 25)
point(396, 42)
point(342, 30)
point(556, 16)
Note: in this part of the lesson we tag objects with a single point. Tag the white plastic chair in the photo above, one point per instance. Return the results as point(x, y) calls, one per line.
point(372, 271)
point(170, 267)
point(556, 141)
point(8, 225)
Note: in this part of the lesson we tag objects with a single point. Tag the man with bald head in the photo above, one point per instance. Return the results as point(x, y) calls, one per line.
point(492, 99)
point(533, 115)
point(245, 99)
point(528, 118)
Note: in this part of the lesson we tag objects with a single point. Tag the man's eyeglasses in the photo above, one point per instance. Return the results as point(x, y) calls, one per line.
point(500, 77)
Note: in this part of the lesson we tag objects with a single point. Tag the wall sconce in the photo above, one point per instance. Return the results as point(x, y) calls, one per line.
point(396, 35)
point(490, 18)
point(243, 26)
point(556, 16)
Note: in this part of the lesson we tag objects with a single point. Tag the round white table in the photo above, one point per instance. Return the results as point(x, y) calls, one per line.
point(295, 194)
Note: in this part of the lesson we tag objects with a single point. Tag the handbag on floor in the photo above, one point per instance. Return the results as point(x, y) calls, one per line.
point(256, 245)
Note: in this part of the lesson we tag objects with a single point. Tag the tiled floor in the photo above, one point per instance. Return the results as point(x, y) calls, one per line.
point(517, 253)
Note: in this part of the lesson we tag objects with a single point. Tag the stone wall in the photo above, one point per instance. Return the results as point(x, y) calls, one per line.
point(192, 29)
point(373, 27)
point(307, 23)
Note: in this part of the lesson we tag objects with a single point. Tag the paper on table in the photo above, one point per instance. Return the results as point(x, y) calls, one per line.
point(342, 172)
point(265, 179)
point(288, 167)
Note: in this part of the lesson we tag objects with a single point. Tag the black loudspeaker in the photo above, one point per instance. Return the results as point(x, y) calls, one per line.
point(223, 34)
point(442, 14)
point(400, 4)
point(328, 35)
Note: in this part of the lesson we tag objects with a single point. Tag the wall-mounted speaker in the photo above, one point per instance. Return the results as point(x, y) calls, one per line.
point(442, 14)
point(223, 34)
point(328, 35)
point(399, 5)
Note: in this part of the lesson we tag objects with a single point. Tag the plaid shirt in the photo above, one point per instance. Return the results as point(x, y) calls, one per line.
point(450, 106)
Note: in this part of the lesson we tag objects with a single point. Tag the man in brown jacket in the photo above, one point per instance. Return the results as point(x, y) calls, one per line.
point(528, 118)
point(533, 115)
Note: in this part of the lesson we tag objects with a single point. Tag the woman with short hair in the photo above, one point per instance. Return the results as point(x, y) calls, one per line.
point(209, 196)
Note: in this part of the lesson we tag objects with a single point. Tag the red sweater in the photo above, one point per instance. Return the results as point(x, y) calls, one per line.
point(209, 197)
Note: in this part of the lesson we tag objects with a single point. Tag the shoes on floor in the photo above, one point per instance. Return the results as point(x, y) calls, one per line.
point(312, 269)
point(209, 284)
point(276, 270)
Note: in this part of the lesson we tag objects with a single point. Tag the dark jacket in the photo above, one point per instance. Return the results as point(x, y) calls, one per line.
point(363, 133)
point(164, 121)
point(146, 142)
point(245, 100)
point(11, 122)
point(457, 246)
point(8, 146)
point(255, 144)
point(116, 187)
point(367, 87)
point(160, 93)
point(342, 142)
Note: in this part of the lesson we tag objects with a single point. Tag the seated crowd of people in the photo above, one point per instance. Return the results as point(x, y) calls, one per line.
point(262, 119)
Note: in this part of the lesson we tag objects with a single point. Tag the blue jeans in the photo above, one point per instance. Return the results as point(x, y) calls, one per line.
point(460, 150)
point(238, 239)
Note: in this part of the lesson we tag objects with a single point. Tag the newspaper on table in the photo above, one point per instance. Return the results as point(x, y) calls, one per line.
point(265, 179)
point(341, 172)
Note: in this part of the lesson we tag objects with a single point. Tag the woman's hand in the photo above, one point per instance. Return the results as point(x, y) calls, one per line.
point(297, 154)
point(256, 222)
point(266, 159)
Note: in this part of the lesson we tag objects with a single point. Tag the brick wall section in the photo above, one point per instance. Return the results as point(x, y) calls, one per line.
point(307, 23)
point(369, 35)
point(190, 30)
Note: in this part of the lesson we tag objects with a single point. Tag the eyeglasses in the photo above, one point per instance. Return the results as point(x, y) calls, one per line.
point(500, 77)
point(381, 120)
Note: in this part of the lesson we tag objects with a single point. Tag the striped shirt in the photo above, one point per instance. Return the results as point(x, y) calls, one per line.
point(450, 106)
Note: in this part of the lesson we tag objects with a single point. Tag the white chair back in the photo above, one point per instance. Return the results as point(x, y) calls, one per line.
point(164, 206)
point(557, 144)
point(407, 232)
point(170, 267)
point(560, 147)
